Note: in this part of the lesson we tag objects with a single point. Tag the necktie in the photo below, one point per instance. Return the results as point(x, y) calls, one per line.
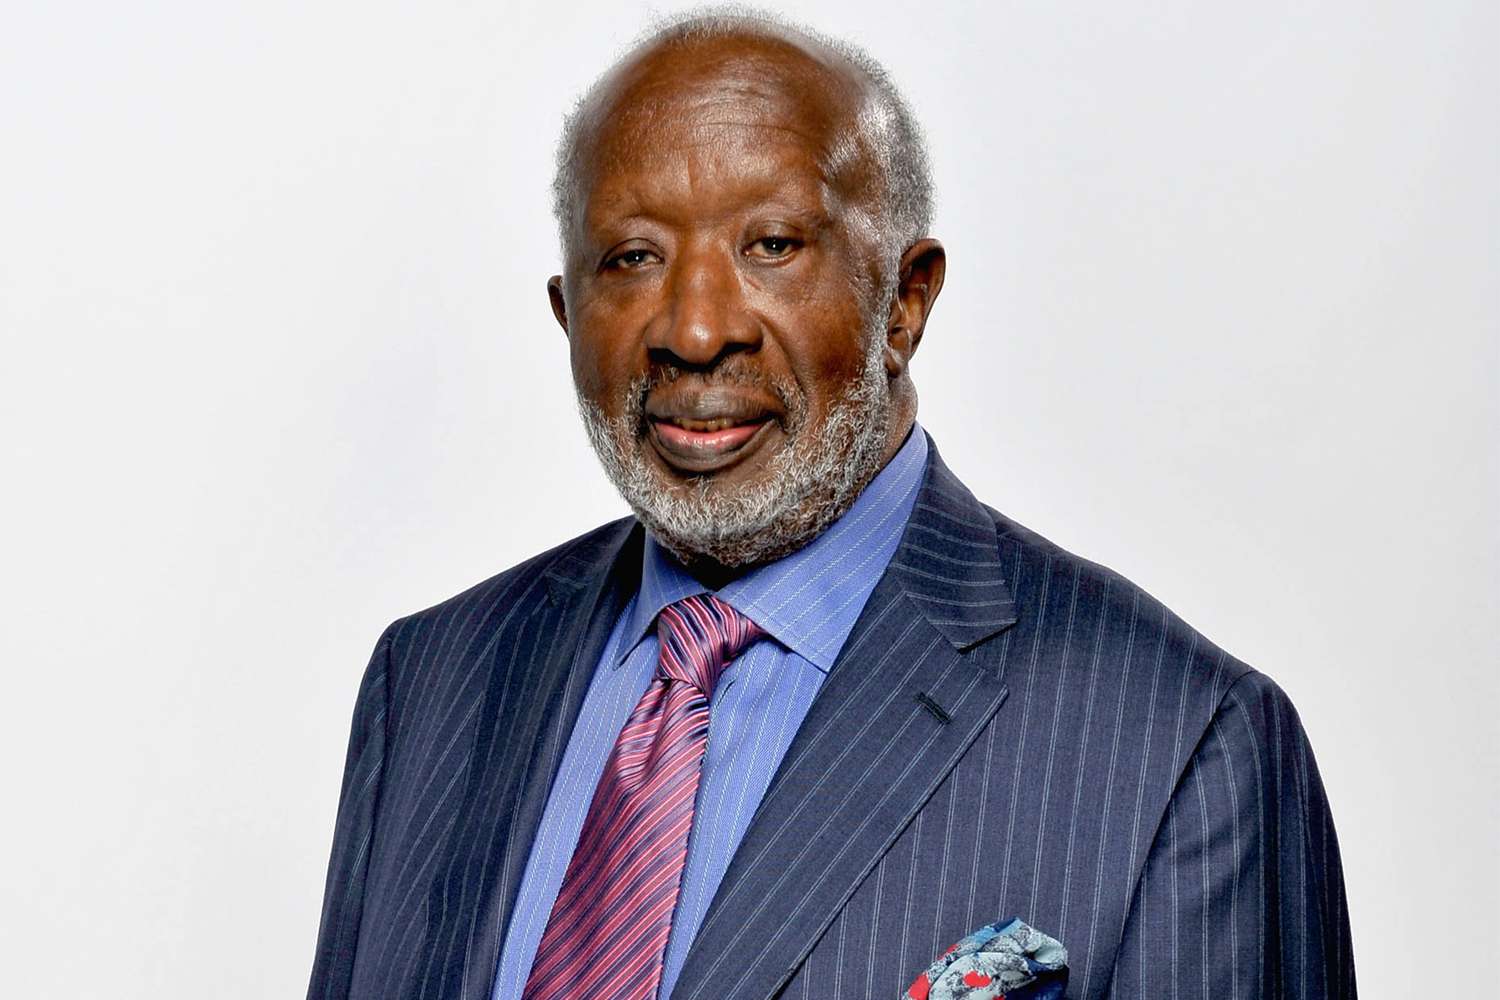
point(607, 934)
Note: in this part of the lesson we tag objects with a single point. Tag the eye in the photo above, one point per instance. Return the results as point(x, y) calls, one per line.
point(773, 247)
point(629, 259)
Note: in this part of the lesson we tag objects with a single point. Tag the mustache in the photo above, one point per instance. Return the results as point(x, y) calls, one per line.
point(783, 388)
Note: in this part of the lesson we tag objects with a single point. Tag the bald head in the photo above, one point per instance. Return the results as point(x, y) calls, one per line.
point(743, 71)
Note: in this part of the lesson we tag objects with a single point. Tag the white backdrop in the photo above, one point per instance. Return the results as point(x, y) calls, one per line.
point(278, 367)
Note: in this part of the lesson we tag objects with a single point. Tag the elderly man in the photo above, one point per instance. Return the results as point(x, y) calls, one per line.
point(814, 713)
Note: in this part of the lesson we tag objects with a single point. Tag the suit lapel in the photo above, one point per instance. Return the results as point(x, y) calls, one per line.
point(915, 683)
point(539, 672)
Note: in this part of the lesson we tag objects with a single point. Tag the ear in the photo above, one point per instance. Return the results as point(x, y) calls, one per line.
point(559, 307)
point(921, 278)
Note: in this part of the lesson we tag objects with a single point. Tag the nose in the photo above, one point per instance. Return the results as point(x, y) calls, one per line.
point(704, 317)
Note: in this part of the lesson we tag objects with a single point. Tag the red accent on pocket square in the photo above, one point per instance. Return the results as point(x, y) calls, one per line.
point(999, 960)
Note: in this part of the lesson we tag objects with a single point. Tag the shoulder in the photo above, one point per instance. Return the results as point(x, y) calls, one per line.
point(1112, 683)
point(1114, 651)
point(459, 621)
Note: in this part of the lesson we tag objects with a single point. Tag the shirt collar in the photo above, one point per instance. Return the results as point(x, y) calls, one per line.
point(809, 600)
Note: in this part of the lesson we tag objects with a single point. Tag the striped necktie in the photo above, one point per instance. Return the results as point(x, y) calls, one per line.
point(607, 935)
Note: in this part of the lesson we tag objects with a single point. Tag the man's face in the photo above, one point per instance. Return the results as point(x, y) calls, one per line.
point(725, 306)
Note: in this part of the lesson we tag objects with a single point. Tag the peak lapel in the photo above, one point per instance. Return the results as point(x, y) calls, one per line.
point(914, 685)
point(539, 672)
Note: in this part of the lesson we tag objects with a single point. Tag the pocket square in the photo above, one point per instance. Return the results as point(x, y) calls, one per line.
point(1001, 961)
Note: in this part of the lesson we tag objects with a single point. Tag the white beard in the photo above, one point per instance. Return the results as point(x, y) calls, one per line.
point(808, 485)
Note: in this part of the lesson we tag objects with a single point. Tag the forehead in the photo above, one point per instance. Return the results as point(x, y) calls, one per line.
point(697, 171)
point(689, 120)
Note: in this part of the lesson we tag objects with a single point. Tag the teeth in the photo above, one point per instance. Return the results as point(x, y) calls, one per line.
point(704, 426)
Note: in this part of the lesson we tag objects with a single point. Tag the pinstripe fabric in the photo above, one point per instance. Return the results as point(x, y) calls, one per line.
point(1081, 759)
point(808, 601)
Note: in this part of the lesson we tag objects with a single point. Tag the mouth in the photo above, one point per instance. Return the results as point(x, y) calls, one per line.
point(708, 432)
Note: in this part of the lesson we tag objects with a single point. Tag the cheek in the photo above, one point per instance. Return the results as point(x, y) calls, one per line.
point(819, 319)
point(604, 362)
point(590, 373)
point(825, 351)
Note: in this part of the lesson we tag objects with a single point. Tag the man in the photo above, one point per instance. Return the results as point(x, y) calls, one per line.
point(815, 712)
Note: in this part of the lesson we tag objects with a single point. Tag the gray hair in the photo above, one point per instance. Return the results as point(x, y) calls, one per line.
point(891, 131)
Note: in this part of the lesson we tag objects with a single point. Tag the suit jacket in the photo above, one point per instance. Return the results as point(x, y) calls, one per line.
point(1008, 731)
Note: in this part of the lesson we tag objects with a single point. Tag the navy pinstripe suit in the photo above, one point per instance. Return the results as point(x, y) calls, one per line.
point(1082, 759)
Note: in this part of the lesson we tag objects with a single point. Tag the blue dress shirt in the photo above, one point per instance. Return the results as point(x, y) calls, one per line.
point(808, 602)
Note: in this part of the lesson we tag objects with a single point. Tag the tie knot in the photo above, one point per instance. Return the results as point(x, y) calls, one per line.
point(699, 637)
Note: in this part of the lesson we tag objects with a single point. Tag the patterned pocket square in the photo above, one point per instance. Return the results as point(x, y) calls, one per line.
point(1002, 961)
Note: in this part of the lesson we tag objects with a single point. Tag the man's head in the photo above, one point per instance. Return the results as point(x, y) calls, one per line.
point(743, 208)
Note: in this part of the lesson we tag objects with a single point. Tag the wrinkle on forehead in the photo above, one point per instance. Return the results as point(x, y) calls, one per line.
point(712, 92)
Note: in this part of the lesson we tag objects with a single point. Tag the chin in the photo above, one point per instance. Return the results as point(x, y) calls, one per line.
point(722, 520)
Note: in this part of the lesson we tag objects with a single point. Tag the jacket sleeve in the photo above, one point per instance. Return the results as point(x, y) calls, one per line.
point(1242, 893)
point(344, 891)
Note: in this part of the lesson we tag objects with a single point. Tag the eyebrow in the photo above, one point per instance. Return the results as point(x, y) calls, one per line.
point(628, 207)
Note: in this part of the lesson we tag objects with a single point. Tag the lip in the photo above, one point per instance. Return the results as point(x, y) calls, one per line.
point(708, 430)
point(703, 452)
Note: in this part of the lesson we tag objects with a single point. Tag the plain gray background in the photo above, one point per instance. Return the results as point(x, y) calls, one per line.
point(1221, 313)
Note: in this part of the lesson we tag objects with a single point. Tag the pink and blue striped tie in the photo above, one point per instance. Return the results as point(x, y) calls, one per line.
point(607, 935)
